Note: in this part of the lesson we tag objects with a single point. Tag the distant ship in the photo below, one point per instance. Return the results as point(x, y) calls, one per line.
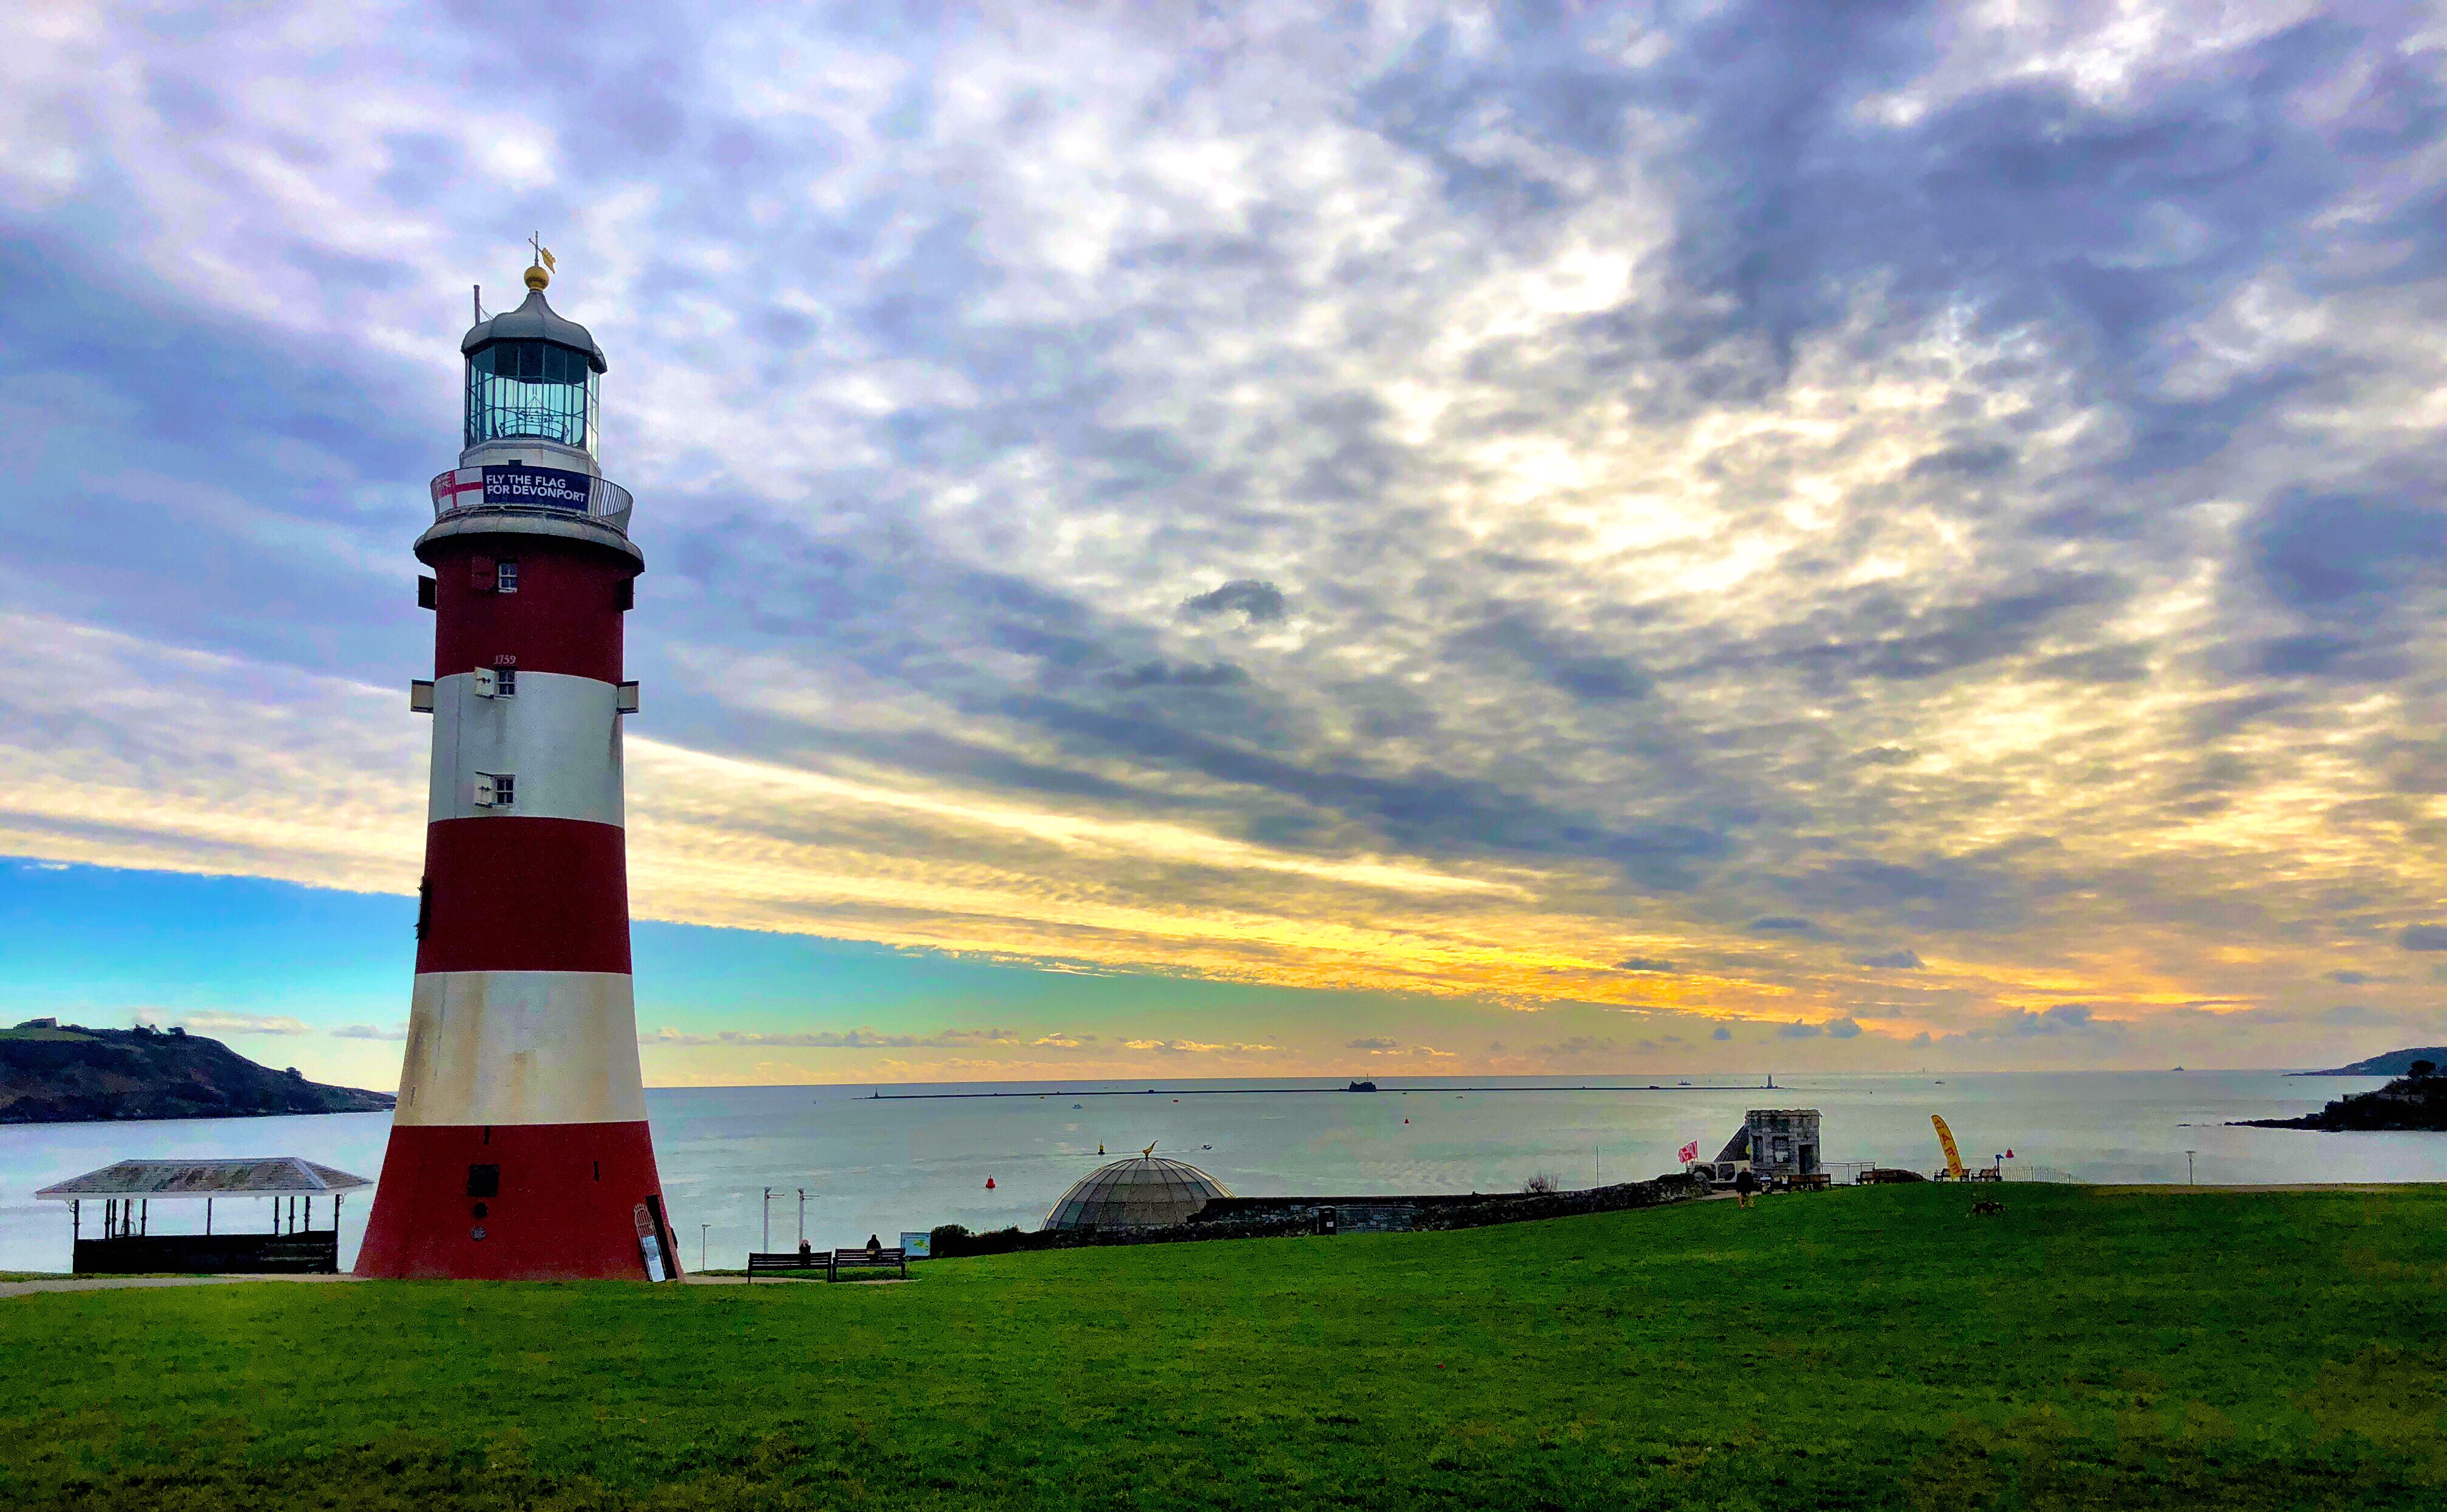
point(1363, 1086)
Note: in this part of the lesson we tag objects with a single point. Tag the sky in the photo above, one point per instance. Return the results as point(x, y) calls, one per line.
point(1261, 540)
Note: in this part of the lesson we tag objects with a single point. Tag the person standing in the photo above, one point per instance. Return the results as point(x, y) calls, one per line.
point(1744, 1185)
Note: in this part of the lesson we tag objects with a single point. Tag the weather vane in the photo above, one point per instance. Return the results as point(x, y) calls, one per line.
point(539, 273)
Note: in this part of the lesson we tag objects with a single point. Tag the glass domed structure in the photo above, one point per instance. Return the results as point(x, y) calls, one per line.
point(1144, 1191)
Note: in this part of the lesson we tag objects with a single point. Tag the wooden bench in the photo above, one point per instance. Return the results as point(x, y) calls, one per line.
point(788, 1260)
point(845, 1259)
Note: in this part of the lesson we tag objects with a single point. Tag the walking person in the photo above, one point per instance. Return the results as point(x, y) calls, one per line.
point(1744, 1185)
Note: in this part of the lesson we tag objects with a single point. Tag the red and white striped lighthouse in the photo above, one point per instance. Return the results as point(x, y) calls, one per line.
point(520, 1148)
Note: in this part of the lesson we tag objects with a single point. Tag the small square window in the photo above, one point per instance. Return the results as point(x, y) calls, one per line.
point(506, 578)
point(505, 682)
point(504, 789)
point(483, 1180)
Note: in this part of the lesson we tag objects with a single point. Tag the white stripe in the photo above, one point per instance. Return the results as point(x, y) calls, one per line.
point(521, 1048)
point(558, 735)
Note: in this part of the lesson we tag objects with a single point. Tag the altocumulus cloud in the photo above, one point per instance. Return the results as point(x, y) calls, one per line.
point(1732, 466)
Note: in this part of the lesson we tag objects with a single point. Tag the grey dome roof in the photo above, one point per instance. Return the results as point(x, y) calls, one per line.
point(533, 321)
point(1141, 1192)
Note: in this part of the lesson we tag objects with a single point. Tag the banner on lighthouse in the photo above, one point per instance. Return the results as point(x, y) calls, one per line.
point(549, 487)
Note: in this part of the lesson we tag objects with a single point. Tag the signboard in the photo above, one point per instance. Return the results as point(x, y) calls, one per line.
point(548, 486)
point(918, 1246)
point(649, 1247)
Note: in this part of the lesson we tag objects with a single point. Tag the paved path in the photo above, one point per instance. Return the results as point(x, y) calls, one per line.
point(123, 1283)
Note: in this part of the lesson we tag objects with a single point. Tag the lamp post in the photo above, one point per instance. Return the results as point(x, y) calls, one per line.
point(2187, 1168)
point(703, 1230)
point(803, 1218)
point(768, 1206)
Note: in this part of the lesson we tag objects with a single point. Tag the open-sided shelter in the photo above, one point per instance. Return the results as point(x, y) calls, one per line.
point(123, 1195)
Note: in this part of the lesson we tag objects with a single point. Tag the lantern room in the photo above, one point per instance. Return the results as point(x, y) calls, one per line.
point(532, 376)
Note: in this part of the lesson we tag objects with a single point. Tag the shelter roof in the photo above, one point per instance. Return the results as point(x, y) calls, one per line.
point(254, 1175)
point(1739, 1147)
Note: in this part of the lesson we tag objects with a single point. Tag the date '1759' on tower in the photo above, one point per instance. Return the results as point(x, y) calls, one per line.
point(520, 1148)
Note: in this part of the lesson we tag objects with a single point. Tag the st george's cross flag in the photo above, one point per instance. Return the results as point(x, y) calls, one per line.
point(1690, 1152)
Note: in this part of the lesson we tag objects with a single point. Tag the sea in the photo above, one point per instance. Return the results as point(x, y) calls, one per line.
point(746, 1168)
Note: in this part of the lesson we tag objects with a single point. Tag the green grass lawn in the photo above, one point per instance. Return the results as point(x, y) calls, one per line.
point(1871, 1348)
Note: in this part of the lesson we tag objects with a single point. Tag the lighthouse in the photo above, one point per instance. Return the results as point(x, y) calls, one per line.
point(520, 1148)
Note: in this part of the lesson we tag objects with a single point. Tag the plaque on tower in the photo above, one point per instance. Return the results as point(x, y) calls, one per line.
point(548, 486)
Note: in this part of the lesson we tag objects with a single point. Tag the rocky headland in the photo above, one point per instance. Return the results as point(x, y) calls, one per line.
point(2418, 1101)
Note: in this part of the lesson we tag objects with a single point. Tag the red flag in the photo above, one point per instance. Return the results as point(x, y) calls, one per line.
point(1690, 1152)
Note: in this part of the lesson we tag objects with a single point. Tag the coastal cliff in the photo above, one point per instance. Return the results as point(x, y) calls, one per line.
point(55, 1074)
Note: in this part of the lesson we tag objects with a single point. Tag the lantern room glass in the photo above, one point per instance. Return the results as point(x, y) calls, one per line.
point(517, 390)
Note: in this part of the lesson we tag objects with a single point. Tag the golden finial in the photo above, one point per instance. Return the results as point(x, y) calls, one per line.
point(1148, 1153)
point(539, 271)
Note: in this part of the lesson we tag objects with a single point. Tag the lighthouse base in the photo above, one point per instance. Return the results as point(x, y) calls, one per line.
point(517, 1202)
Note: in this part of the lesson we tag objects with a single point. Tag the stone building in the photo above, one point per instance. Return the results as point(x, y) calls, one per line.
point(1772, 1142)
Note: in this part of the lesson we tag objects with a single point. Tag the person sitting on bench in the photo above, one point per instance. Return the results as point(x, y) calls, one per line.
point(874, 1247)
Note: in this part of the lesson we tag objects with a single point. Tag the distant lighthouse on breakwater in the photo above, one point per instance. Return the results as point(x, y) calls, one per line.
point(520, 1148)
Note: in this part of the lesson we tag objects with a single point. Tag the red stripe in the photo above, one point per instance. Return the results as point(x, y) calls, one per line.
point(565, 617)
point(564, 1210)
point(525, 894)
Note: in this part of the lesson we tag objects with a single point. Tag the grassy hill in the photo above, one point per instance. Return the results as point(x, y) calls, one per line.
point(71, 1074)
point(1872, 1348)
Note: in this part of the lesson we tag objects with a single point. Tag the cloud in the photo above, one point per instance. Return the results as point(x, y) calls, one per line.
point(1370, 1044)
point(1261, 602)
point(854, 1039)
point(1644, 963)
point(1720, 1032)
point(1180, 1046)
point(2423, 937)
point(370, 1031)
point(2350, 978)
point(1755, 474)
point(1799, 1031)
point(1895, 960)
point(216, 1021)
point(1843, 1029)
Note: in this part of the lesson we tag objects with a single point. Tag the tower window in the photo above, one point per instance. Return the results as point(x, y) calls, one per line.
point(505, 682)
point(505, 790)
point(483, 1180)
point(506, 578)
